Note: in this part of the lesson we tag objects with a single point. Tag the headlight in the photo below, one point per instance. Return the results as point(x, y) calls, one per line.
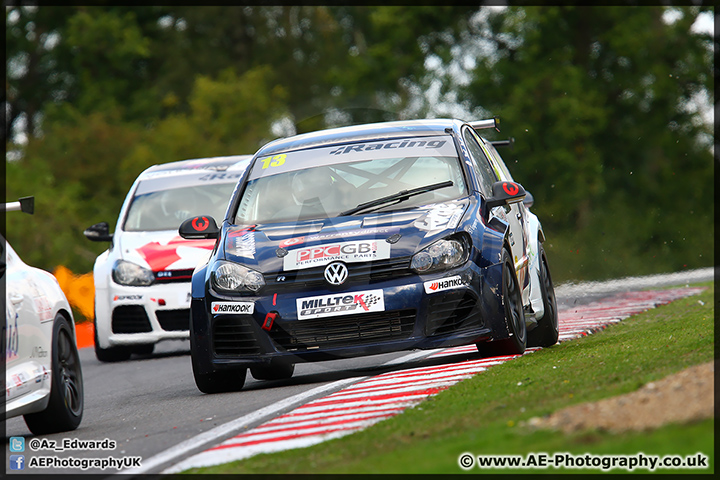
point(441, 255)
point(128, 273)
point(233, 278)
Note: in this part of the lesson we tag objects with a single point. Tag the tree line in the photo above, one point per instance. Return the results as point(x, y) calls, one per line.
point(605, 104)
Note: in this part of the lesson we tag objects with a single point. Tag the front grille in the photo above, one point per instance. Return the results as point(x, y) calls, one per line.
point(130, 319)
point(173, 276)
point(452, 312)
point(174, 320)
point(364, 272)
point(233, 335)
point(344, 330)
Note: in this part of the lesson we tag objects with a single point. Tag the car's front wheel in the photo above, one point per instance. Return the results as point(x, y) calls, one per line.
point(144, 349)
point(547, 331)
point(274, 371)
point(514, 315)
point(220, 381)
point(110, 354)
point(65, 409)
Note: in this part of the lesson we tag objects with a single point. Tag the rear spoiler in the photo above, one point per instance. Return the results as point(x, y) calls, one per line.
point(482, 124)
point(510, 142)
point(25, 204)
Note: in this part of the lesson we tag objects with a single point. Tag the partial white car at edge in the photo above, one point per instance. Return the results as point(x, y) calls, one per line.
point(43, 376)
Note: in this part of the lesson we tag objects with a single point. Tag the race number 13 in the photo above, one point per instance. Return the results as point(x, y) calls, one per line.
point(275, 161)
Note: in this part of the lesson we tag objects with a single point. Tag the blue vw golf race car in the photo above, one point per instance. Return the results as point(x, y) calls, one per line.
point(363, 240)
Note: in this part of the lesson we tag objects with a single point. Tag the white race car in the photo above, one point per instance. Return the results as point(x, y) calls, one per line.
point(43, 378)
point(142, 282)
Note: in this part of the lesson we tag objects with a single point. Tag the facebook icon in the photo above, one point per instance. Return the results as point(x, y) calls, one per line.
point(17, 462)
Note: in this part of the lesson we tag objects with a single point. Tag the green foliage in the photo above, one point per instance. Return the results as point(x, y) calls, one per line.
point(118, 41)
point(228, 116)
point(73, 174)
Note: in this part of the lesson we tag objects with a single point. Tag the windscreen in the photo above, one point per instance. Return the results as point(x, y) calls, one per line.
point(167, 208)
point(326, 181)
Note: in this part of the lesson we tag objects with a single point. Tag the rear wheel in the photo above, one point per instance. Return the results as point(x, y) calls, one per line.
point(65, 409)
point(514, 315)
point(111, 354)
point(547, 331)
point(274, 371)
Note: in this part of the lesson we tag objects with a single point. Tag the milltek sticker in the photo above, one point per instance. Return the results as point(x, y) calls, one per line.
point(232, 307)
point(443, 284)
point(341, 304)
point(348, 252)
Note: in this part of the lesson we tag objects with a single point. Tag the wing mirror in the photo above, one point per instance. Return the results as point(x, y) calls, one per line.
point(100, 232)
point(504, 193)
point(201, 226)
point(25, 204)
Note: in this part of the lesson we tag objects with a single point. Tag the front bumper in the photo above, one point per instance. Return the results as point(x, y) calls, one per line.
point(142, 315)
point(410, 318)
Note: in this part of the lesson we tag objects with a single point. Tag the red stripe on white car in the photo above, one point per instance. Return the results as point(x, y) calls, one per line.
point(377, 398)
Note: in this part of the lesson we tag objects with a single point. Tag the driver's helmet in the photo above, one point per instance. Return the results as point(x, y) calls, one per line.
point(178, 203)
point(311, 186)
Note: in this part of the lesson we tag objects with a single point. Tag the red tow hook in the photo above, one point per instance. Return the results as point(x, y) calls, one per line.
point(269, 319)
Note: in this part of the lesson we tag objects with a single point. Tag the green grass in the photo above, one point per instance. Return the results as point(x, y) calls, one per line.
point(484, 415)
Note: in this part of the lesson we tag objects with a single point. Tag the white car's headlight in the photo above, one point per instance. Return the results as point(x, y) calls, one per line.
point(442, 255)
point(230, 277)
point(128, 273)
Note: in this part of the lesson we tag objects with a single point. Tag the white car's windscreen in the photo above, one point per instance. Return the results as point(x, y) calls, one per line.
point(167, 209)
point(324, 182)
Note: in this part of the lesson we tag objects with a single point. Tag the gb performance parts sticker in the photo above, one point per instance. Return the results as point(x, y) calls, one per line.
point(443, 284)
point(232, 307)
point(340, 304)
point(348, 252)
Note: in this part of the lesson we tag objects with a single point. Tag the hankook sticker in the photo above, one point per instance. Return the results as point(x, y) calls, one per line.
point(443, 284)
point(232, 307)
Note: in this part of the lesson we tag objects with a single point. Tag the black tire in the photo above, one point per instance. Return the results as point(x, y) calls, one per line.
point(65, 409)
point(514, 315)
point(274, 371)
point(144, 349)
point(547, 332)
point(219, 381)
point(112, 354)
